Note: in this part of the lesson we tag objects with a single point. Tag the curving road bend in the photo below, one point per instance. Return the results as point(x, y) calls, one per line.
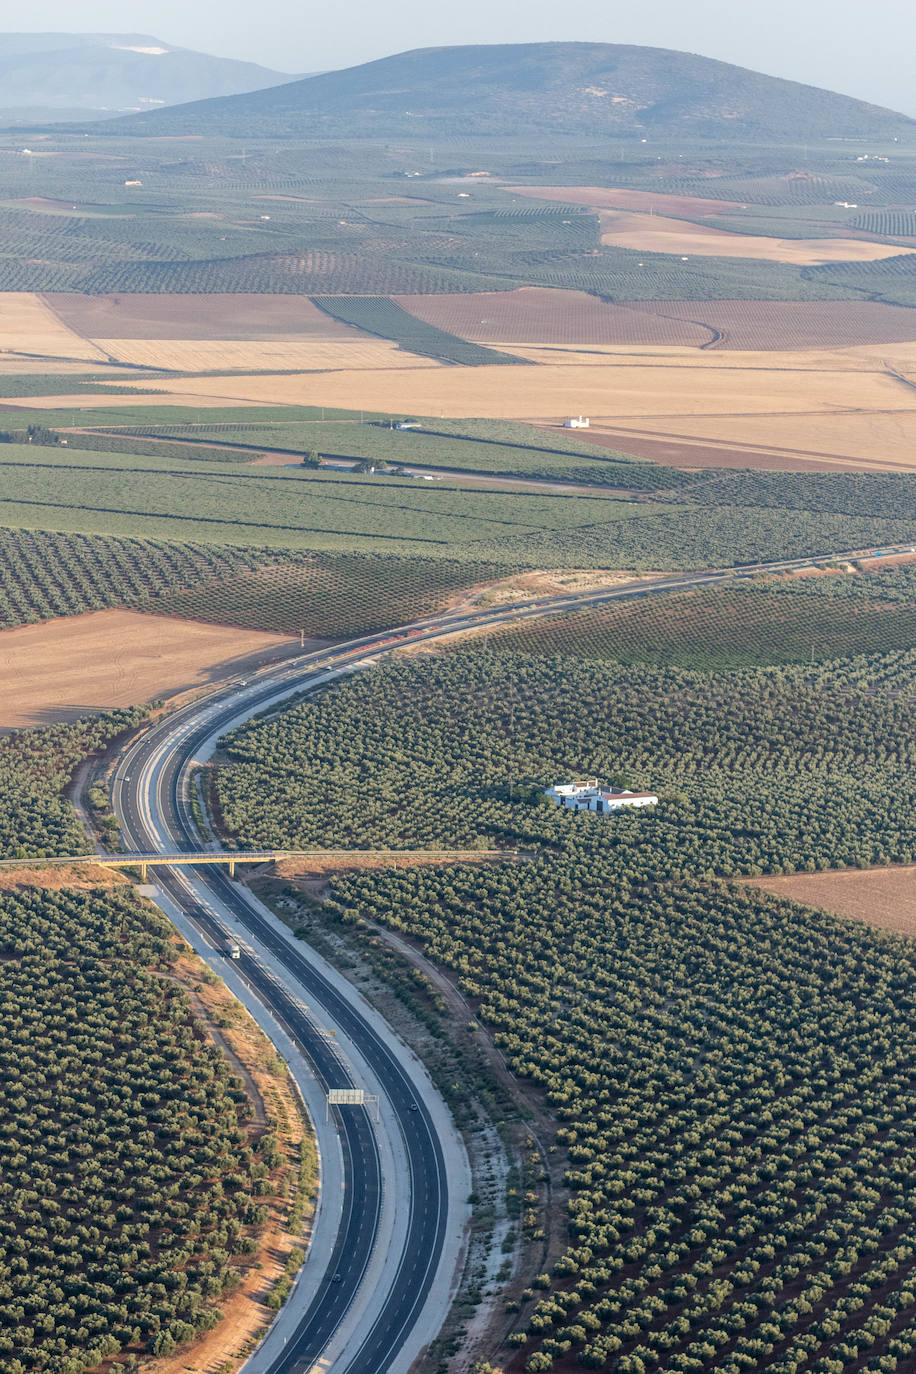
point(152, 801)
point(149, 801)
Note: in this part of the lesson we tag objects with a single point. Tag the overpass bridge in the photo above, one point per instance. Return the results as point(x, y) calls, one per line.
point(192, 859)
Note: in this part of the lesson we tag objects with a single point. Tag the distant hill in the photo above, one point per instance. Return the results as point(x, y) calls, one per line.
point(566, 88)
point(78, 73)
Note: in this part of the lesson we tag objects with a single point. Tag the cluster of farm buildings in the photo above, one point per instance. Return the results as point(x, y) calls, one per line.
point(595, 796)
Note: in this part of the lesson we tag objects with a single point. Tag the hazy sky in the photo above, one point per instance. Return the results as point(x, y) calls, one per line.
point(865, 50)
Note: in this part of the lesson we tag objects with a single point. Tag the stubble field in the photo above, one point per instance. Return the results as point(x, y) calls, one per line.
point(29, 326)
point(658, 234)
point(281, 355)
point(849, 407)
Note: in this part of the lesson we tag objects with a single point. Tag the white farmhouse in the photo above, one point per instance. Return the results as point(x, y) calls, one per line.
point(594, 796)
point(577, 422)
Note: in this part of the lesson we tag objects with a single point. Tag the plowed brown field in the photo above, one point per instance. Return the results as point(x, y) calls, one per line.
point(67, 668)
point(535, 315)
point(782, 325)
point(240, 316)
point(882, 897)
point(540, 315)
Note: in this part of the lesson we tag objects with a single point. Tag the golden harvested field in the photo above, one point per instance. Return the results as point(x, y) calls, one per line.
point(15, 365)
point(882, 441)
point(67, 668)
point(882, 897)
point(306, 355)
point(852, 407)
point(28, 325)
point(656, 234)
point(604, 383)
point(242, 316)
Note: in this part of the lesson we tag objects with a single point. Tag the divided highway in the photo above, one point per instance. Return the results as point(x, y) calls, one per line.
point(152, 801)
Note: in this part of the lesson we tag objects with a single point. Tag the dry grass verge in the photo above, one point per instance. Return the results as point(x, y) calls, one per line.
point(275, 1107)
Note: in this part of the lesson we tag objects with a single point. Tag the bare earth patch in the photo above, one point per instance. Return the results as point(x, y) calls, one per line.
point(84, 877)
point(882, 897)
point(781, 325)
point(548, 582)
point(543, 315)
point(308, 871)
point(63, 669)
point(243, 316)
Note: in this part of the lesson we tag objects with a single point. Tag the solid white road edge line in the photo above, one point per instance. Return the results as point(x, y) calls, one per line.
point(329, 1197)
point(457, 1165)
point(389, 1246)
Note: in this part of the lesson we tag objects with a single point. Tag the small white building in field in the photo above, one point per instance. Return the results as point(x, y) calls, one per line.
point(594, 796)
point(577, 422)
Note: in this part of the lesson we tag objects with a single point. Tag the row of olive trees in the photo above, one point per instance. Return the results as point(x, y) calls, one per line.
point(731, 1077)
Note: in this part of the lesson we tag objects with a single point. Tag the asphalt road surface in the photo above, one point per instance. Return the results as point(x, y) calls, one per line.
point(155, 817)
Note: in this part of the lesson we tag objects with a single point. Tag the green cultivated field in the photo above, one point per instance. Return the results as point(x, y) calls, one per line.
point(330, 595)
point(730, 1076)
point(96, 493)
point(736, 626)
point(157, 499)
point(488, 446)
point(382, 316)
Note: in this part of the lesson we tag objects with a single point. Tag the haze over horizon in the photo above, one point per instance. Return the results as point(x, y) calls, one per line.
point(818, 42)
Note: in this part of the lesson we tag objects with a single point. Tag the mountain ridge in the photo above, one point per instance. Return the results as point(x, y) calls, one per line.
point(576, 88)
point(97, 72)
